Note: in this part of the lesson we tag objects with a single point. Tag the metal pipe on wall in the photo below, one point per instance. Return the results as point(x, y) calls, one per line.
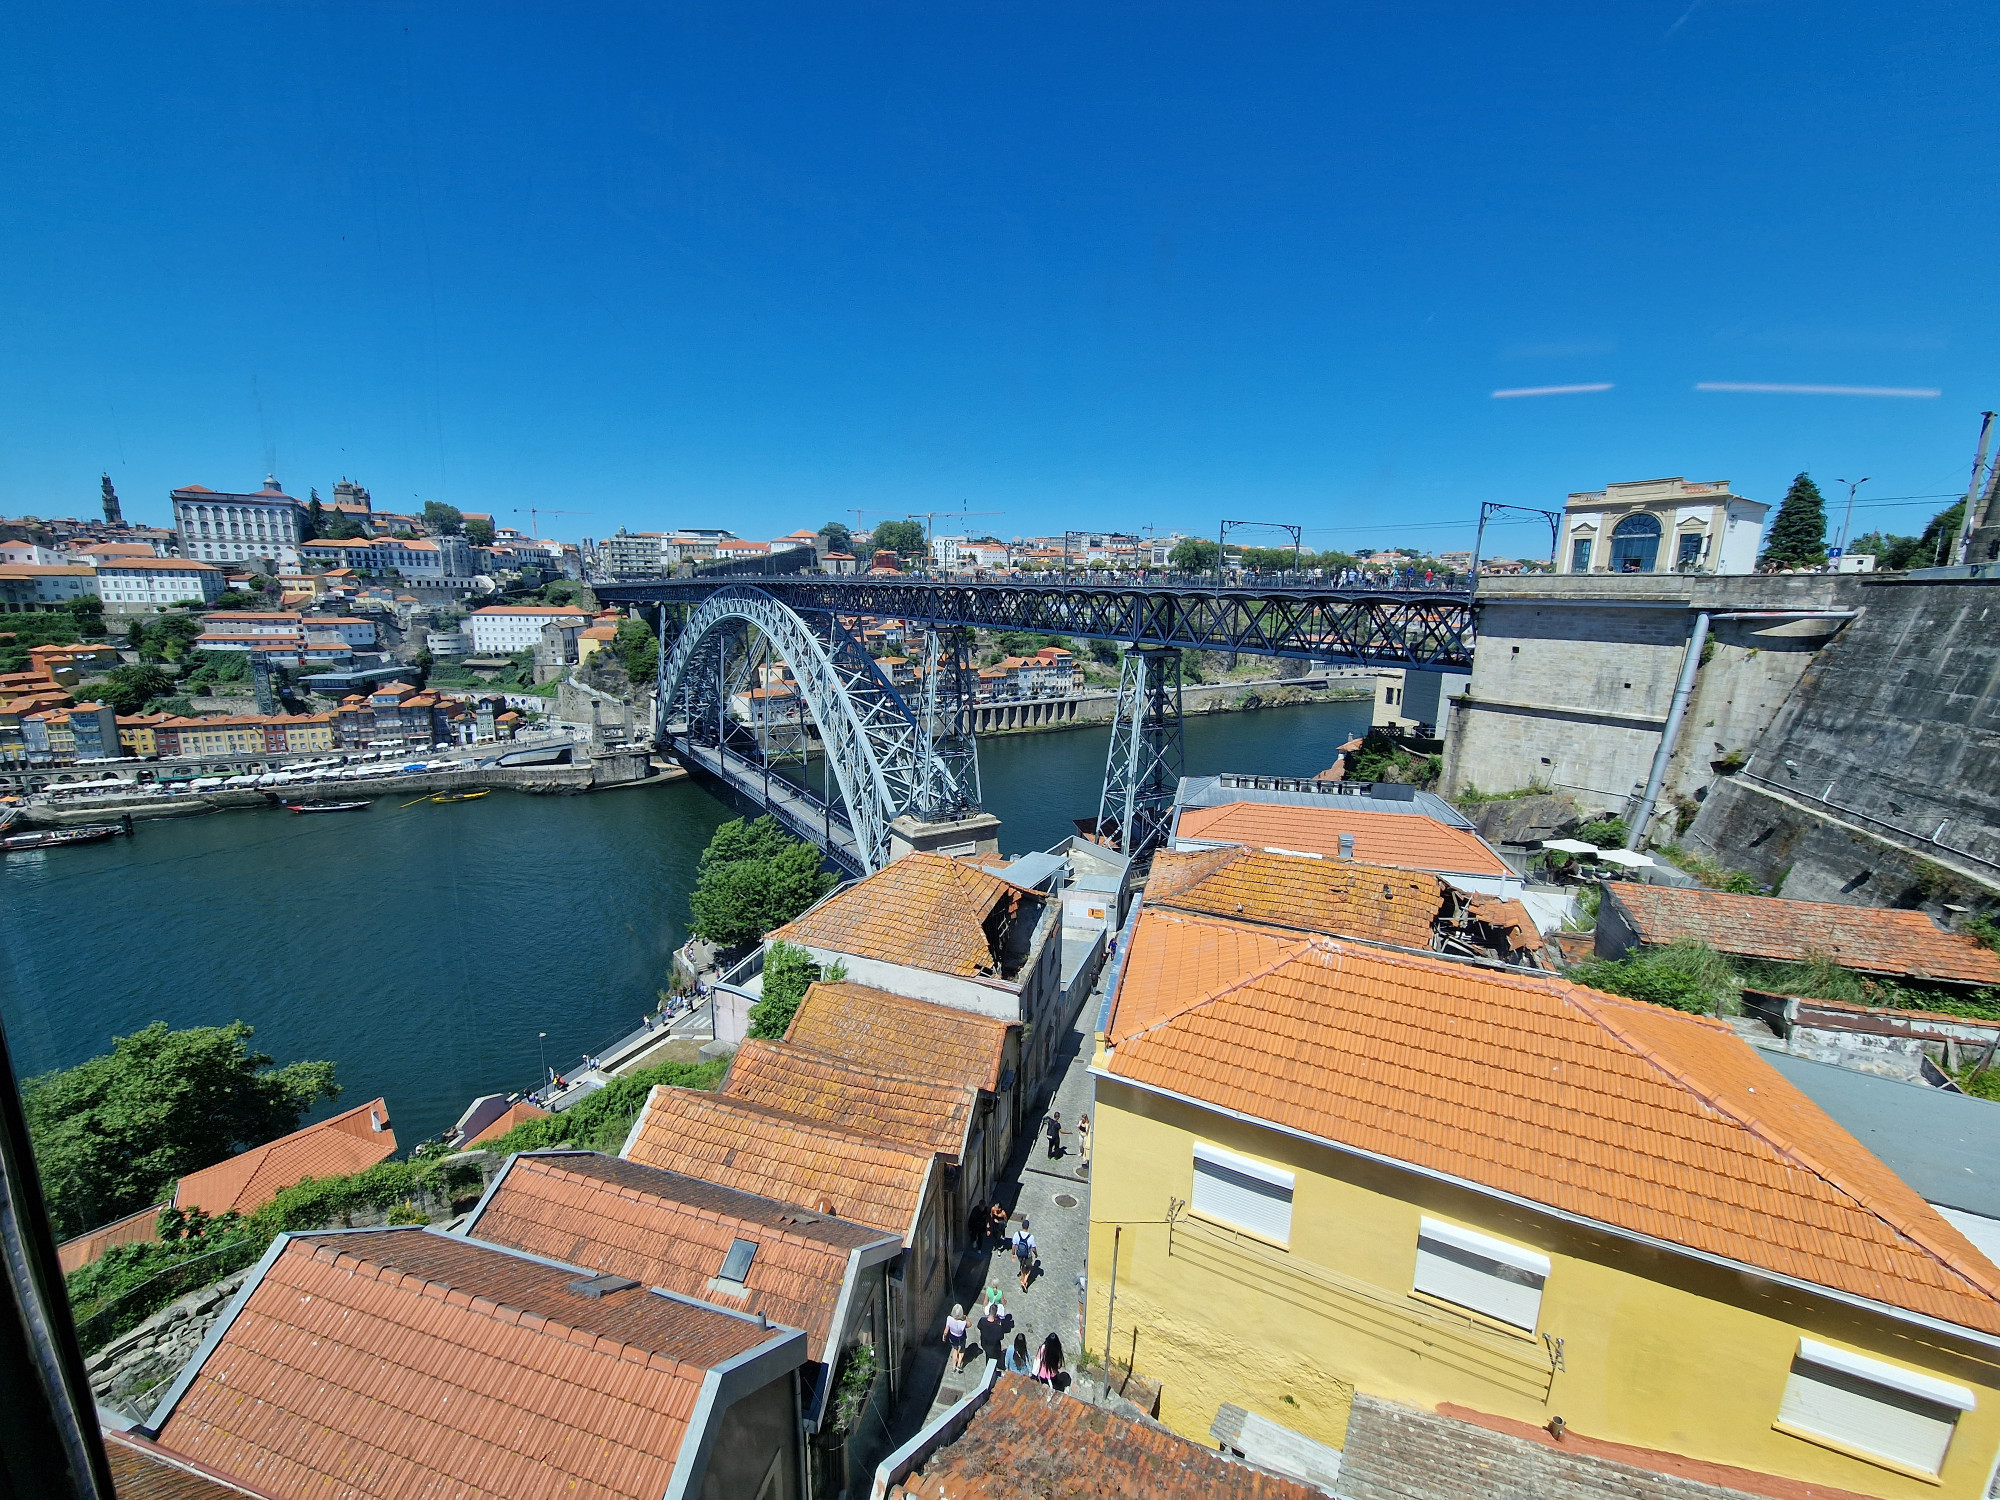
point(1690, 664)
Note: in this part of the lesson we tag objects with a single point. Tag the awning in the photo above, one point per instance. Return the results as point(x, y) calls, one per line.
point(1569, 846)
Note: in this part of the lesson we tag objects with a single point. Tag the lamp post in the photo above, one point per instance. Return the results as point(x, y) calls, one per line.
point(541, 1045)
point(1847, 525)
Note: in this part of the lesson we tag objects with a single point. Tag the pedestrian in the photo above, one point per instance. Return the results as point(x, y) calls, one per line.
point(997, 1222)
point(1049, 1367)
point(1083, 1142)
point(993, 1330)
point(975, 1227)
point(954, 1336)
point(1024, 1253)
point(1018, 1362)
point(1054, 1126)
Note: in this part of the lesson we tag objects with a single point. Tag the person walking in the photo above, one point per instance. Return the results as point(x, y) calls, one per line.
point(954, 1336)
point(1083, 1142)
point(1024, 1253)
point(1054, 1127)
point(1049, 1366)
point(993, 1330)
point(997, 1223)
point(1018, 1362)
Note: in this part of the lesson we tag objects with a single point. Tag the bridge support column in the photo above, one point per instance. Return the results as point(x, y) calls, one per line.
point(1143, 769)
point(976, 833)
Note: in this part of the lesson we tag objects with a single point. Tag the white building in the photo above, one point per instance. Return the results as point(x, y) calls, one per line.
point(1661, 526)
point(503, 629)
point(40, 557)
point(154, 582)
point(219, 527)
point(27, 588)
point(352, 631)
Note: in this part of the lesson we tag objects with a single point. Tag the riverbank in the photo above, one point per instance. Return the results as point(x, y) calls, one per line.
point(1090, 710)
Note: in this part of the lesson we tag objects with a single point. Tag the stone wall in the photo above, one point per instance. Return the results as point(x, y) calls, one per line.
point(1878, 782)
point(130, 1373)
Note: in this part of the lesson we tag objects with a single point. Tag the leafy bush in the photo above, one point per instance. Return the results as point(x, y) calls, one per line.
point(1715, 876)
point(788, 972)
point(1818, 977)
point(603, 1120)
point(1606, 833)
point(1983, 929)
point(1685, 976)
point(1382, 757)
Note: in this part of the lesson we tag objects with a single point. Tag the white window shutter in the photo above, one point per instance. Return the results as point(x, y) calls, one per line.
point(1898, 1414)
point(1478, 1272)
point(1243, 1192)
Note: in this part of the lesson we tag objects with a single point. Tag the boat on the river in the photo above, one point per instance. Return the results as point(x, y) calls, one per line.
point(317, 807)
point(456, 796)
point(56, 838)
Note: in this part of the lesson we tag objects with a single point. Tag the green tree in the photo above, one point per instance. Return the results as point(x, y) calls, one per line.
point(753, 877)
point(837, 537)
point(420, 668)
point(441, 519)
point(1798, 536)
point(637, 649)
point(168, 637)
point(129, 689)
point(479, 533)
point(315, 517)
point(88, 612)
point(1193, 554)
point(111, 1133)
point(788, 971)
point(238, 599)
point(1934, 547)
point(905, 538)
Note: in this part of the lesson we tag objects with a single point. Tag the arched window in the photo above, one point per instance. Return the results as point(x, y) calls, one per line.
point(1635, 544)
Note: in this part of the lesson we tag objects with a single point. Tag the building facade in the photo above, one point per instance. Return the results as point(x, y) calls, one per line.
point(503, 629)
point(1661, 526)
point(219, 527)
point(157, 583)
point(36, 588)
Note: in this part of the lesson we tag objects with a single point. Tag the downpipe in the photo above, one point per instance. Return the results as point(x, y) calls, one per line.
point(1690, 664)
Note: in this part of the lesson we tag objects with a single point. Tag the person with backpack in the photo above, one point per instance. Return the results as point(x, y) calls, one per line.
point(1024, 1253)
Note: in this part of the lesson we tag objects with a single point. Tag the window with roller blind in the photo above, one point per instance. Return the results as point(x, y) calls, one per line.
point(1247, 1194)
point(1477, 1272)
point(1866, 1404)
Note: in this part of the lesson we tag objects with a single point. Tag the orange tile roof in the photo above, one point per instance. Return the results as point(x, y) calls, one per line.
point(1409, 841)
point(1510, 917)
point(923, 910)
point(143, 1471)
point(346, 1144)
point(875, 1029)
point(1339, 896)
point(508, 1118)
point(1855, 937)
point(1625, 1113)
point(1027, 1439)
point(404, 1362)
point(1174, 957)
point(925, 1112)
point(666, 1230)
point(756, 1149)
point(133, 1229)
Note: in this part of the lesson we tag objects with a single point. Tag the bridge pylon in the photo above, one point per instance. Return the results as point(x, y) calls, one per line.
point(1143, 770)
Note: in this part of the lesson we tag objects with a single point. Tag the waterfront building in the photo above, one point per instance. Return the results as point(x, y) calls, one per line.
point(503, 629)
point(140, 584)
point(1661, 526)
point(93, 729)
point(47, 738)
point(397, 715)
point(137, 734)
point(217, 734)
point(445, 1365)
point(219, 527)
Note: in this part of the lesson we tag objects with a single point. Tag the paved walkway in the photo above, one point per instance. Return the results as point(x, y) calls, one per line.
point(1054, 1195)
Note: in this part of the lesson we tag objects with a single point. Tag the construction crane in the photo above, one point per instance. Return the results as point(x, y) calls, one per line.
point(534, 527)
point(929, 516)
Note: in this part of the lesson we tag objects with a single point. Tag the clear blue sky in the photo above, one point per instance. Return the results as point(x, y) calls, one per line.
point(1081, 264)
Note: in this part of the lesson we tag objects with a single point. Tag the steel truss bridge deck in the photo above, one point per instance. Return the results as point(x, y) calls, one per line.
point(799, 812)
point(1373, 627)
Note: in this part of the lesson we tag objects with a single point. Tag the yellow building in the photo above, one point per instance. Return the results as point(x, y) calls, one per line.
point(305, 731)
point(1326, 1167)
point(135, 733)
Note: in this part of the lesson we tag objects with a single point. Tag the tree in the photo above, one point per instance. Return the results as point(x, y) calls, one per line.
point(1798, 536)
point(420, 668)
point(637, 649)
point(1934, 547)
point(904, 538)
point(753, 877)
point(315, 518)
point(1193, 554)
point(168, 637)
point(441, 519)
point(479, 533)
point(837, 537)
point(129, 689)
point(88, 612)
point(111, 1133)
point(238, 599)
point(788, 972)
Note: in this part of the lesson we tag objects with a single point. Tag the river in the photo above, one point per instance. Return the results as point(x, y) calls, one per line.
point(422, 949)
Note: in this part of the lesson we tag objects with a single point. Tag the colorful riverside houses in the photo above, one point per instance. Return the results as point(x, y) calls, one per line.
point(1335, 1178)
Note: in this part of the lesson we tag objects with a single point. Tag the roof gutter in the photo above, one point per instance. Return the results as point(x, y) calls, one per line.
point(1584, 1221)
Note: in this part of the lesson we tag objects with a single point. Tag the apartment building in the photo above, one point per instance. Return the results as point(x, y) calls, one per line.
point(215, 526)
point(37, 588)
point(148, 583)
point(503, 629)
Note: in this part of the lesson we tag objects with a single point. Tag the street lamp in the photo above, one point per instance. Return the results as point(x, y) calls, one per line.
point(541, 1045)
point(1847, 525)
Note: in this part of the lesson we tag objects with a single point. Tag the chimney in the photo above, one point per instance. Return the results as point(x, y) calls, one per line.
point(1347, 846)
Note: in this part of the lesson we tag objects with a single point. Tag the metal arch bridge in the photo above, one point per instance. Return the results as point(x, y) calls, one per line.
point(888, 756)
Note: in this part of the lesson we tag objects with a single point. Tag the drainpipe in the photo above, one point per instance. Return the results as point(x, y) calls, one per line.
point(1690, 664)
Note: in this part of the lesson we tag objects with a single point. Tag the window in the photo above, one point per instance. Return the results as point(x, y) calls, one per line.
point(1689, 555)
point(1476, 1271)
point(1579, 555)
point(1861, 1403)
point(1238, 1191)
point(1635, 544)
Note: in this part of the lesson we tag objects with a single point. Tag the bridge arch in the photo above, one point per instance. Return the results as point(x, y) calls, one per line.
point(882, 752)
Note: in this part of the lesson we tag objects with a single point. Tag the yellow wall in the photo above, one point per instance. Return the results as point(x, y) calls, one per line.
point(1659, 1350)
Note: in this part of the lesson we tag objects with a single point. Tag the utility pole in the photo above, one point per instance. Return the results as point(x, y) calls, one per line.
point(1847, 525)
point(1972, 489)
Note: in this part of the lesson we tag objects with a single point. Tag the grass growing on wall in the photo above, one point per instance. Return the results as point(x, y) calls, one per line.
point(1685, 976)
point(602, 1121)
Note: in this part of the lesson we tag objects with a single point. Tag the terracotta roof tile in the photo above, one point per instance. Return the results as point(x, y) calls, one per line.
point(1625, 1113)
point(1381, 904)
point(346, 1144)
point(1408, 841)
point(508, 1118)
point(1027, 1441)
point(130, 1230)
point(406, 1362)
point(923, 910)
point(1510, 917)
point(760, 1150)
point(1855, 937)
point(1176, 959)
point(928, 1113)
point(892, 1034)
point(142, 1471)
point(666, 1230)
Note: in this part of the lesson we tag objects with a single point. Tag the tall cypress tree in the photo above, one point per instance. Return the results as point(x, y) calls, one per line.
point(1798, 536)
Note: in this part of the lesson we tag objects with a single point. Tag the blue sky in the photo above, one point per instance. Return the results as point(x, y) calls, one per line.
point(1082, 265)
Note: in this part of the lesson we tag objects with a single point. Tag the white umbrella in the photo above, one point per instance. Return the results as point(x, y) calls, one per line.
point(1569, 846)
point(1626, 858)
